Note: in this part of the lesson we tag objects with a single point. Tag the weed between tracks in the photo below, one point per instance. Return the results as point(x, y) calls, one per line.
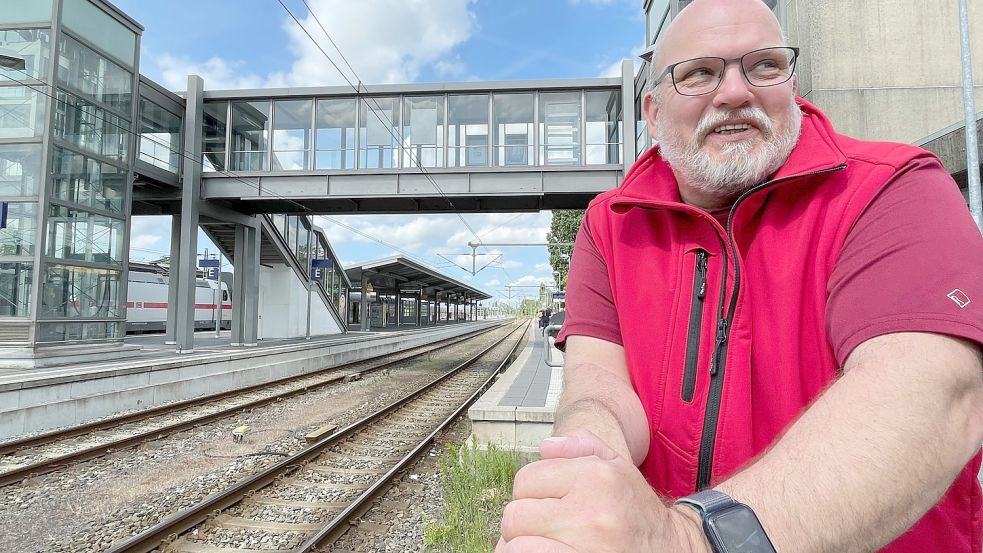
point(476, 485)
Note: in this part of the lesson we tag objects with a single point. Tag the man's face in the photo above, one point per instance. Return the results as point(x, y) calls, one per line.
point(723, 142)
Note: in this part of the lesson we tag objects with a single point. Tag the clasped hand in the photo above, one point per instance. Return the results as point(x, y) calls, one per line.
point(585, 498)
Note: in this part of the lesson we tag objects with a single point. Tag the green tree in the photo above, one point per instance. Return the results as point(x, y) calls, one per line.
point(529, 307)
point(563, 230)
point(545, 295)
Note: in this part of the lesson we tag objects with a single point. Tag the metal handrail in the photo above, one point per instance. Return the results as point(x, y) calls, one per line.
point(548, 332)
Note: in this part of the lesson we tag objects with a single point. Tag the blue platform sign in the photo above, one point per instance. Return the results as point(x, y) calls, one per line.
point(212, 268)
point(3, 214)
point(317, 265)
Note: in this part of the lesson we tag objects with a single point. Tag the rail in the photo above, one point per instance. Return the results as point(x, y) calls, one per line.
point(169, 529)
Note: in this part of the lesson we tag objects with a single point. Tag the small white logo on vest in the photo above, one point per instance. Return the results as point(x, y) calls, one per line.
point(960, 297)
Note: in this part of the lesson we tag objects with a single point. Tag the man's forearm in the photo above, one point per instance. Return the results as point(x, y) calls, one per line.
point(606, 407)
point(870, 456)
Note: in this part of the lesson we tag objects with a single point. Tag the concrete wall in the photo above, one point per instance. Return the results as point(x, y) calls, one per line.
point(283, 306)
point(886, 70)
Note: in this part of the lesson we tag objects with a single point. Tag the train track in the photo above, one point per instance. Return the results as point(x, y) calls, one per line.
point(307, 500)
point(52, 451)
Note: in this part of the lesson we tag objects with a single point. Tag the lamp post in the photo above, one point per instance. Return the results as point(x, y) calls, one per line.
point(972, 149)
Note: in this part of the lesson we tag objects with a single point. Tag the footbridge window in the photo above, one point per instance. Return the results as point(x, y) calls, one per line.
point(559, 127)
point(335, 136)
point(423, 131)
point(292, 136)
point(379, 132)
point(250, 136)
point(467, 121)
point(515, 121)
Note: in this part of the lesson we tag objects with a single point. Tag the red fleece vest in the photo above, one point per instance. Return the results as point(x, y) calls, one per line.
point(724, 334)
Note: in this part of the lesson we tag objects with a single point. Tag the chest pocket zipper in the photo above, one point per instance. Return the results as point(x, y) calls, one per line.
point(695, 326)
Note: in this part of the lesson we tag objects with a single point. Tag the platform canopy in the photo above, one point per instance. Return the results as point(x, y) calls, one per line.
point(400, 273)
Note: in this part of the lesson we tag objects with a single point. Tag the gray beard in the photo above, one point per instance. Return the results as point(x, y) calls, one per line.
point(739, 168)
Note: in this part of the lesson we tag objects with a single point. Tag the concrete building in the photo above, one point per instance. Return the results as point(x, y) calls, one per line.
point(881, 70)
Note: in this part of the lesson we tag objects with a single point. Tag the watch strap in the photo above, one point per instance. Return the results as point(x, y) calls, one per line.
point(706, 501)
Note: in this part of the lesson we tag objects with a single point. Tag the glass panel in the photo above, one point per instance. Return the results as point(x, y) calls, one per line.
point(80, 292)
point(85, 181)
point(653, 17)
point(25, 11)
point(94, 76)
point(19, 235)
point(99, 28)
point(292, 134)
point(20, 169)
point(75, 331)
point(250, 135)
point(335, 134)
point(213, 136)
point(74, 234)
point(467, 120)
point(559, 128)
point(21, 112)
point(34, 45)
point(423, 131)
point(514, 120)
point(15, 289)
point(91, 128)
point(603, 126)
point(291, 236)
point(378, 138)
point(160, 136)
point(302, 247)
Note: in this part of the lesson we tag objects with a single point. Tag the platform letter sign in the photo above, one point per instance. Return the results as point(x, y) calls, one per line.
point(212, 270)
point(317, 265)
point(3, 214)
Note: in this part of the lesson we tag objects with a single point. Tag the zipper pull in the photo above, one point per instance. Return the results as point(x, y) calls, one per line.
point(722, 330)
point(701, 271)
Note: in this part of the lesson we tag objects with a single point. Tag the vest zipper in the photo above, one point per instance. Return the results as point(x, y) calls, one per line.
point(695, 326)
point(718, 360)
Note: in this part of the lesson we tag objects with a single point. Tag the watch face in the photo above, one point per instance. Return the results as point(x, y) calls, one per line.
point(737, 530)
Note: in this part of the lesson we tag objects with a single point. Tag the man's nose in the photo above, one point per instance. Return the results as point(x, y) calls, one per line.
point(734, 90)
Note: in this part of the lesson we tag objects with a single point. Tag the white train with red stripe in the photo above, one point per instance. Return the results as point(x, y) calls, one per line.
point(146, 303)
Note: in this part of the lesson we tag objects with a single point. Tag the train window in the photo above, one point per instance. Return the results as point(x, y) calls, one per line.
point(225, 295)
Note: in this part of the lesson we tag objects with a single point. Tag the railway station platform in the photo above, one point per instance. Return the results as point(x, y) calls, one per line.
point(39, 399)
point(517, 411)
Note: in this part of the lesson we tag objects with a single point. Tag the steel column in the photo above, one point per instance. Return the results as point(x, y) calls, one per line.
point(238, 285)
point(190, 197)
point(250, 285)
point(173, 278)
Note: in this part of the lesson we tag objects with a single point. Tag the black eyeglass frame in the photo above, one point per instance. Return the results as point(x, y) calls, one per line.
point(720, 78)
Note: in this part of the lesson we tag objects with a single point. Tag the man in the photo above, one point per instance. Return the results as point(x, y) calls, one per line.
point(766, 309)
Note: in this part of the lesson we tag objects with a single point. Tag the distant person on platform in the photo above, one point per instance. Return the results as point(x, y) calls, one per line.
point(782, 318)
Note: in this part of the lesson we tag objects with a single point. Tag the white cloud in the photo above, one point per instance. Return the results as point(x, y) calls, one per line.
point(150, 238)
point(493, 282)
point(385, 41)
point(216, 72)
point(614, 68)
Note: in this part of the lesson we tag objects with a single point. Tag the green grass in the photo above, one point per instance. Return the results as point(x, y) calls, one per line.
point(476, 485)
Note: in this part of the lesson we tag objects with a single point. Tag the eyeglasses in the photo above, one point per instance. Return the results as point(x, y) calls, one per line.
point(764, 67)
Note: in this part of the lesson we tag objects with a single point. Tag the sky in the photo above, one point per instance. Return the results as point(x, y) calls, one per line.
point(255, 43)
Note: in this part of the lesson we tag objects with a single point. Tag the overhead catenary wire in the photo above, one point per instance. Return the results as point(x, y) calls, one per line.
point(378, 111)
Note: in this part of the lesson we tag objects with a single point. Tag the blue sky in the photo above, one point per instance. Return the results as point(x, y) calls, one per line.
point(255, 43)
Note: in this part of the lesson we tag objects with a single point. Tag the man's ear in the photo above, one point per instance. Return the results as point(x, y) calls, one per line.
point(650, 111)
point(795, 85)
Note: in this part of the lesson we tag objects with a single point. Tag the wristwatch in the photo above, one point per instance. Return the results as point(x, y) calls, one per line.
point(730, 527)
